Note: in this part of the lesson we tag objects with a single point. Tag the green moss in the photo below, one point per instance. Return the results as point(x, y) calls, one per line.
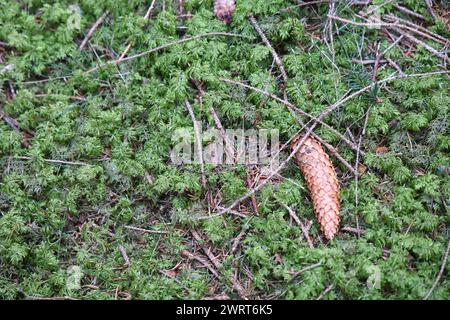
point(118, 123)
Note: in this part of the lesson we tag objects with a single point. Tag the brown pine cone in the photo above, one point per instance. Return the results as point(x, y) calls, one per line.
point(223, 9)
point(322, 183)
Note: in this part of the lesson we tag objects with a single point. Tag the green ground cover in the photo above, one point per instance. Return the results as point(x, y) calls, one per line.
point(67, 229)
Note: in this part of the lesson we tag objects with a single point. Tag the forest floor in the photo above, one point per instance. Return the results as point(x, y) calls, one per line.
point(92, 96)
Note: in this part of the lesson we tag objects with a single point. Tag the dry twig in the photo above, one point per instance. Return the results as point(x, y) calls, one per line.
point(441, 272)
point(92, 30)
point(198, 140)
point(300, 224)
point(146, 17)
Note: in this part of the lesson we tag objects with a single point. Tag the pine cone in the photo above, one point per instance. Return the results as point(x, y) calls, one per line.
point(322, 183)
point(223, 9)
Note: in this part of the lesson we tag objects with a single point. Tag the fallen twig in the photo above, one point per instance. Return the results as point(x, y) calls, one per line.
point(328, 289)
point(268, 45)
point(431, 10)
point(438, 38)
point(237, 240)
point(441, 271)
point(357, 231)
point(165, 46)
point(313, 266)
point(54, 161)
point(291, 106)
point(300, 224)
point(205, 249)
point(146, 17)
point(124, 255)
point(380, 23)
point(410, 12)
point(204, 262)
point(198, 140)
point(146, 230)
point(93, 28)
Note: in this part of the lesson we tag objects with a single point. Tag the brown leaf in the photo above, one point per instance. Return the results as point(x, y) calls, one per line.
point(170, 273)
point(381, 150)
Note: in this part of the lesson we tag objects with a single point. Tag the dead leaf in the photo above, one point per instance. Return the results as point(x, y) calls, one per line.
point(278, 259)
point(381, 150)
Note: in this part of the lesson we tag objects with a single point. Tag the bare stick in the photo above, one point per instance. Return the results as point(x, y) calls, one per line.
point(335, 153)
point(395, 65)
point(377, 63)
point(313, 266)
point(353, 230)
point(328, 289)
point(205, 249)
point(198, 140)
point(237, 240)
point(146, 17)
point(300, 224)
point(124, 255)
point(165, 46)
point(229, 150)
point(410, 12)
point(146, 230)
point(55, 161)
point(441, 271)
point(93, 28)
point(387, 25)
point(430, 9)
point(427, 47)
point(438, 38)
point(268, 45)
point(357, 162)
point(314, 124)
point(280, 65)
point(233, 212)
point(204, 262)
point(290, 105)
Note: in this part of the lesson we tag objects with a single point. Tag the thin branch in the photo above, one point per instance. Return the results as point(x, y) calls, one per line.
point(237, 240)
point(75, 163)
point(165, 46)
point(328, 289)
point(205, 249)
point(357, 162)
point(438, 38)
point(204, 262)
point(427, 47)
point(410, 12)
point(198, 140)
point(441, 271)
point(146, 230)
point(300, 224)
point(93, 29)
point(124, 255)
point(290, 105)
point(380, 23)
point(268, 45)
point(146, 17)
point(313, 266)
point(430, 9)
point(350, 229)
point(229, 149)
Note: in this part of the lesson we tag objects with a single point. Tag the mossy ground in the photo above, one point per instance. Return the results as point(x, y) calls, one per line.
point(57, 219)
